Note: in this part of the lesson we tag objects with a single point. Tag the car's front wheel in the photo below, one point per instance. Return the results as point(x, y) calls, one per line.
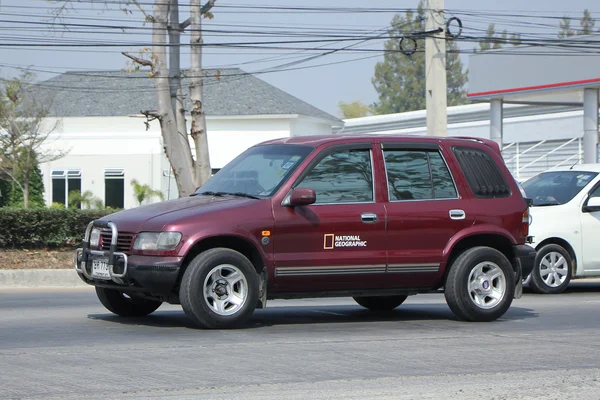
point(219, 289)
point(126, 305)
point(552, 270)
point(480, 285)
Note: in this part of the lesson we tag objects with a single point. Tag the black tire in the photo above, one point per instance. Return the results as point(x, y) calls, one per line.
point(538, 283)
point(380, 303)
point(457, 292)
point(191, 294)
point(124, 305)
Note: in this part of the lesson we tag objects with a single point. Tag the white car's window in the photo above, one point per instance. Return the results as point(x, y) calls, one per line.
point(556, 187)
point(595, 192)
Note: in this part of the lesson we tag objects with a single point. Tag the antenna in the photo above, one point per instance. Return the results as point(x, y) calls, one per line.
point(576, 162)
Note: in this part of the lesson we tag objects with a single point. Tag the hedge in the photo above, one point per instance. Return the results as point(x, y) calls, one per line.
point(44, 227)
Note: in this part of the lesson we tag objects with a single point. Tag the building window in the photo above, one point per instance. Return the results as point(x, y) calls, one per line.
point(65, 182)
point(114, 188)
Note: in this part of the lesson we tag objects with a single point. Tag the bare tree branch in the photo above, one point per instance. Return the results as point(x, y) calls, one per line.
point(205, 8)
point(139, 60)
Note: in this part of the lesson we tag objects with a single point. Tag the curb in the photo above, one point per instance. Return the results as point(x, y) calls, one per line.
point(40, 278)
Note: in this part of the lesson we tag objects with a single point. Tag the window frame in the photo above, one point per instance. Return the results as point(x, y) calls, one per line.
point(114, 174)
point(424, 147)
point(328, 151)
point(65, 174)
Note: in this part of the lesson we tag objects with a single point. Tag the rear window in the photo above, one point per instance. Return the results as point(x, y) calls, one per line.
point(483, 175)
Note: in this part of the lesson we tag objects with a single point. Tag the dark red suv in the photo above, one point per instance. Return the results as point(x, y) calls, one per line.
point(377, 218)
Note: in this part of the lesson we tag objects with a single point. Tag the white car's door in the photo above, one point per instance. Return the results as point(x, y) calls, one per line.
point(590, 233)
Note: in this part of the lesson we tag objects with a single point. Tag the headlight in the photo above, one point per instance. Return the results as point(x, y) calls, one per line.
point(157, 241)
point(95, 238)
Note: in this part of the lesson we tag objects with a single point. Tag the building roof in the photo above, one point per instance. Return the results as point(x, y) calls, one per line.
point(116, 93)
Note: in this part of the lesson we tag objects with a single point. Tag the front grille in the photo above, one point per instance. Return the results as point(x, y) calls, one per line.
point(124, 240)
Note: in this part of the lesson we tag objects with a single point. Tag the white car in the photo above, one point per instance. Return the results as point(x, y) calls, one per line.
point(565, 226)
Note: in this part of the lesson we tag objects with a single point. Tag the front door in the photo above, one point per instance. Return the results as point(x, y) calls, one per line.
point(590, 234)
point(424, 212)
point(338, 243)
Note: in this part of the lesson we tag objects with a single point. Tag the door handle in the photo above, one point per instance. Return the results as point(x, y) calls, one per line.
point(457, 214)
point(368, 218)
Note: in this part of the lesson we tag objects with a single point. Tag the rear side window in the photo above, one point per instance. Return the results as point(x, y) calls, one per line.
point(417, 175)
point(482, 173)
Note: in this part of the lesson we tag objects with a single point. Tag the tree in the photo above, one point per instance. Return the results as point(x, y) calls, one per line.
point(143, 192)
point(24, 129)
point(400, 79)
point(491, 41)
point(565, 28)
point(36, 189)
point(587, 23)
point(356, 109)
point(190, 172)
point(84, 200)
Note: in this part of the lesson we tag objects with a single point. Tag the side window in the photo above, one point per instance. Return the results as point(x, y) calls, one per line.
point(418, 175)
point(483, 175)
point(443, 185)
point(344, 176)
point(408, 175)
point(595, 192)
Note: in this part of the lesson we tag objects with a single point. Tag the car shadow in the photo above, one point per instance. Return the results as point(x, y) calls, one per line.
point(578, 286)
point(303, 315)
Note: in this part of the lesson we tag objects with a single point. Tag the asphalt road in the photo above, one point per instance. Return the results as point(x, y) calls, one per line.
point(65, 345)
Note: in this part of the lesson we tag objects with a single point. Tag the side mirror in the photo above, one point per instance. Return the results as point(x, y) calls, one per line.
point(592, 205)
point(302, 197)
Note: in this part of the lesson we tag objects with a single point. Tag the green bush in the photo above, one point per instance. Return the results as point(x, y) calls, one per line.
point(45, 227)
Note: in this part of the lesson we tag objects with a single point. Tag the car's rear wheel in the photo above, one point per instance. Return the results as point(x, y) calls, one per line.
point(380, 303)
point(552, 270)
point(480, 285)
point(219, 289)
point(126, 305)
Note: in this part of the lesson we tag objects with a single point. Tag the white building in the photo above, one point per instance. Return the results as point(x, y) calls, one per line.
point(535, 138)
point(108, 143)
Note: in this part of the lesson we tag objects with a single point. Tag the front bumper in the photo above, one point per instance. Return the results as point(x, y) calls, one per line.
point(126, 272)
point(525, 256)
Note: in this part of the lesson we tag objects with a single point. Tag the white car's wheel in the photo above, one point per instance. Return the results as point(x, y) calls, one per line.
point(552, 270)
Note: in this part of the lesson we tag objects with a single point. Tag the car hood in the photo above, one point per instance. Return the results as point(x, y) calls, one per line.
point(154, 217)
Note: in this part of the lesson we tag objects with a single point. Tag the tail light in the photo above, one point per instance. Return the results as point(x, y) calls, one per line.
point(526, 221)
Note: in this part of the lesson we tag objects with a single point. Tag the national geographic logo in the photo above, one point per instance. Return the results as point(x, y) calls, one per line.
point(331, 241)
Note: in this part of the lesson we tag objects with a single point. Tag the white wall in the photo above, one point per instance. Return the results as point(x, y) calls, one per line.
point(532, 128)
point(306, 126)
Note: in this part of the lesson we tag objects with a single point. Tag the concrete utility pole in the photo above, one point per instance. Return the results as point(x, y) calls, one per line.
point(590, 125)
point(435, 70)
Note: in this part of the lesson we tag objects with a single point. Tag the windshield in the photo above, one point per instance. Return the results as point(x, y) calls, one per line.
point(257, 172)
point(555, 188)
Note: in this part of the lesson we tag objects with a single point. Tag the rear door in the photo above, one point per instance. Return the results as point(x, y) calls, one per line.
point(424, 211)
point(338, 243)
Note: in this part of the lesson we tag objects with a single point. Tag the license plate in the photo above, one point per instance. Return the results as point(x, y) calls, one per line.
point(100, 269)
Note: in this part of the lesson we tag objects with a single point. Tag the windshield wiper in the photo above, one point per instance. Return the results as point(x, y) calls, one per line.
point(221, 194)
point(209, 193)
point(546, 204)
point(241, 194)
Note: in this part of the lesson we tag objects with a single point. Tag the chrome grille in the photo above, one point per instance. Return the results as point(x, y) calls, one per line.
point(124, 240)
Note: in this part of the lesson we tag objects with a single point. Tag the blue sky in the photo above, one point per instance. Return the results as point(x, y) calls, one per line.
point(322, 86)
